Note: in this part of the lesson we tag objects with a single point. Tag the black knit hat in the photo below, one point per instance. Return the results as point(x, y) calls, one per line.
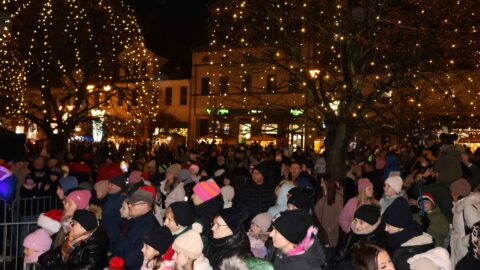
point(398, 214)
point(120, 181)
point(86, 219)
point(368, 213)
point(234, 216)
point(299, 198)
point(159, 238)
point(262, 169)
point(184, 213)
point(293, 224)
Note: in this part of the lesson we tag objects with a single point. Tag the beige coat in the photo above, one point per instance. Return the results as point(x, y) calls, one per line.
point(327, 216)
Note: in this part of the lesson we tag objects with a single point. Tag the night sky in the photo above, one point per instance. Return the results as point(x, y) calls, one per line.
point(173, 28)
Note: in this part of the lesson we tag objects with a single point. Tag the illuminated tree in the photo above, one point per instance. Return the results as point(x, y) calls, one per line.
point(358, 63)
point(66, 58)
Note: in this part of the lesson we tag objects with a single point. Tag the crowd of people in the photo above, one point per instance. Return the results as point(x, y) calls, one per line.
point(248, 207)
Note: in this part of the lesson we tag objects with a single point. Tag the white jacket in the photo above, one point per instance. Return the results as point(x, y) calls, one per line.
point(470, 208)
point(437, 257)
point(202, 263)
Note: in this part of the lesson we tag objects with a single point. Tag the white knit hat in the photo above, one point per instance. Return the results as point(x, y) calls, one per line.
point(395, 182)
point(263, 220)
point(190, 243)
point(437, 258)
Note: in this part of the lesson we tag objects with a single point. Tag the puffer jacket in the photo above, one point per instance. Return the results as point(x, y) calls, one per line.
point(416, 245)
point(258, 198)
point(465, 210)
point(91, 254)
point(226, 247)
point(306, 255)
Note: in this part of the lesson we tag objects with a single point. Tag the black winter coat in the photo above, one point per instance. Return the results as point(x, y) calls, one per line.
point(205, 213)
point(258, 198)
point(227, 247)
point(468, 263)
point(91, 254)
point(312, 259)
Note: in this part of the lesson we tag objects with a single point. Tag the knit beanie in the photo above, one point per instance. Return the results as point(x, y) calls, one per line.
point(234, 217)
point(50, 221)
point(363, 183)
point(398, 214)
point(206, 190)
point(39, 242)
point(67, 183)
point(183, 175)
point(190, 243)
point(395, 182)
point(101, 188)
point(299, 198)
point(262, 169)
point(174, 169)
point(461, 187)
point(437, 259)
point(86, 219)
point(184, 213)
point(81, 198)
point(119, 181)
point(135, 177)
point(159, 238)
point(426, 196)
point(194, 168)
point(368, 213)
point(263, 220)
point(293, 224)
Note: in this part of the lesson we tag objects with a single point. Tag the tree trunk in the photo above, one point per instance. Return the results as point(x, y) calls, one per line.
point(336, 149)
point(58, 145)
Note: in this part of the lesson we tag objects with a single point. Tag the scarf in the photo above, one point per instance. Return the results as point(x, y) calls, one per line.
point(70, 245)
point(395, 240)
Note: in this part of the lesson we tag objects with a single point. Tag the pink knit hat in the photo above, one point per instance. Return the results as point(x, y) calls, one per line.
point(363, 183)
point(135, 177)
point(206, 190)
point(39, 242)
point(81, 198)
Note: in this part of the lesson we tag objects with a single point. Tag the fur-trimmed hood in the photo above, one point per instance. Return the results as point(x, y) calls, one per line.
point(420, 240)
point(473, 198)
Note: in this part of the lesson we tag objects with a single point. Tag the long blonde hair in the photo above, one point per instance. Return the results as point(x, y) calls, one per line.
point(364, 199)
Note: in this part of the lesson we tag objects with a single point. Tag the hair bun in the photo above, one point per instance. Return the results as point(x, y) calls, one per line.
point(197, 227)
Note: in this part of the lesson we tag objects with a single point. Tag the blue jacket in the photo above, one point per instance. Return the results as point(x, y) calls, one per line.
point(111, 216)
point(129, 247)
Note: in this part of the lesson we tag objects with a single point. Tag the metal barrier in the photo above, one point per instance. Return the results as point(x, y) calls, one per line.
point(18, 220)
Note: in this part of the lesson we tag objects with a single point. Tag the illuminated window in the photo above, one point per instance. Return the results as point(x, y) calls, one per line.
point(270, 129)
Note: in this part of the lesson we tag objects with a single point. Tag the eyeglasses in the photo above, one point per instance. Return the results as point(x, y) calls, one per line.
point(214, 224)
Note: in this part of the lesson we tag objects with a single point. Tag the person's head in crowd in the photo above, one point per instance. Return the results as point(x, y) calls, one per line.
point(372, 257)
point(295, 169)
point(151, 167)
point(188, 247)
point(65, 185)
point(397, 216)
point(35, 244)
point(329, 188)
point(460, 189)
point(289, 229)
point(139, 203)
point(124, 211)
point(260, 224)
point(259, 174)
point(83, 221)
point(428, 202)
point(54, 174)
point(75, 200)
point(194, 169)
point(117, 184)
point(298, 199)
point(50, 221)
point(178, 216)
point(39, 163)
point(101, 189)
point(220, 161)
point(29, 183)
point(228, 192)
point(172, 172)
point(155, 243)
point(205, 191)
point(135, 177)
point(392, 186)
point(434, 259)
point(366, 219)
point(52, 162)
point(365, 190)
point(64, 170)
point(229, 221)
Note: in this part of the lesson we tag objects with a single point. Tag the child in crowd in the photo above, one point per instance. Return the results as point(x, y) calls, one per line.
point(156, 242)
point(258, 234)
point(188, 251)
point(35, 244)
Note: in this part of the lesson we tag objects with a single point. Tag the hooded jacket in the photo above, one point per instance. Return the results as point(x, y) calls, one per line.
point(308, 254)
point(465, 210)
point(227, 247)
point(412, 247)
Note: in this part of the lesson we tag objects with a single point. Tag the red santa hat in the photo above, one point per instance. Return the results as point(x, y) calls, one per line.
point(50, 221)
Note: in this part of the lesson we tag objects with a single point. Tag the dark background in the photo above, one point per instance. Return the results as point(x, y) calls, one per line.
point(173, 29)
